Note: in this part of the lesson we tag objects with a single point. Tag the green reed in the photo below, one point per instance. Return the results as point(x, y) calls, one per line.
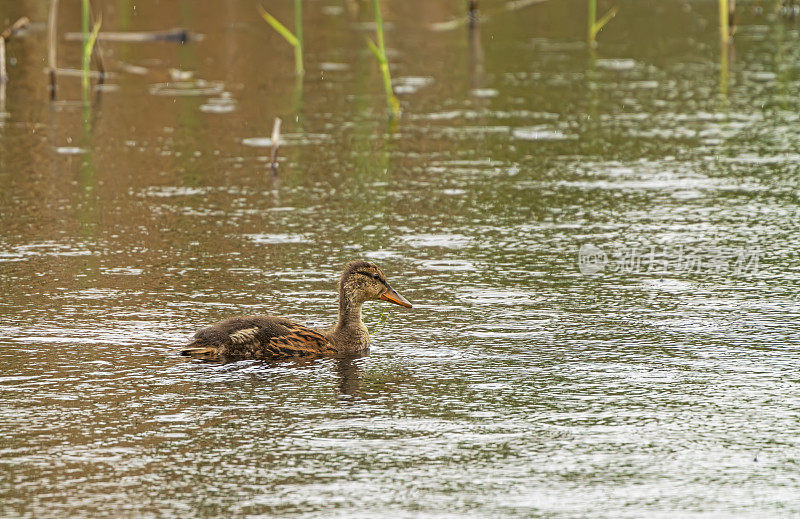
point(296, 39)
point(595, 25)
point(89, 40)
point(379, 51)
point(724, 26)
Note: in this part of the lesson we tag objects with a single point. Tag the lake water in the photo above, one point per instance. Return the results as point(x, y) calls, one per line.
point(655, 374)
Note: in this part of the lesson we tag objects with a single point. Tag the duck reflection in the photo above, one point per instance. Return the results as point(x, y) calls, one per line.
point(351, 381)
point(350, 377)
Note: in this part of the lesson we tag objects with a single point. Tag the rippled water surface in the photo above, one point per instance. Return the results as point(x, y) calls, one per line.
point(657, 376)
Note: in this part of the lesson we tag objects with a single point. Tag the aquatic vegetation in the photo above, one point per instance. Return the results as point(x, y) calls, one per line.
point(89, 40)
point(87, 57)
point(7, 34)
point(379, 50)
point(295, 40)
point(85, 28)
point(276, 142)
point(595, 25)
point(726, 30)
point(724, 22)
point(52, 17)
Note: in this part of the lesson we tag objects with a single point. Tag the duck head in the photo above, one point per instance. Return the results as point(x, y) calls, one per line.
point(363, 281)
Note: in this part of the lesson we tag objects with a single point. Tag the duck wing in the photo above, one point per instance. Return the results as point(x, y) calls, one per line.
point(257, 337)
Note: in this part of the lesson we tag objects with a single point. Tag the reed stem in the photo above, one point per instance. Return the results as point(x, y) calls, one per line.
point(86, 55)
point(298, 31)
point(724, 26)
point(380, 53)
point(276, 142)
point(3, 73)
point(86, 74)
point(296, 41)
point(52, 20)
point(8, 33)
point(595, 25)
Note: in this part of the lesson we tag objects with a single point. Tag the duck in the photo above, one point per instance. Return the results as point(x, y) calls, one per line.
point(264, 337)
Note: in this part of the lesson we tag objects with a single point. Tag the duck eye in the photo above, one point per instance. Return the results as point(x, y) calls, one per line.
point(376, 277)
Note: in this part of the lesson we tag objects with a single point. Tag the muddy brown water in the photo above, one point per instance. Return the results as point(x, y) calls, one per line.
point(654, 374)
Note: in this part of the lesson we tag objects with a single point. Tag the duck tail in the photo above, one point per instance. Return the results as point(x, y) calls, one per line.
point(200, 352)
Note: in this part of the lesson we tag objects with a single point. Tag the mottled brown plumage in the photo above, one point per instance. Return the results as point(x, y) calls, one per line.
point(268, 337)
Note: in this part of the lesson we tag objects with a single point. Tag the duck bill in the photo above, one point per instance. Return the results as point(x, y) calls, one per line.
point(392, 296)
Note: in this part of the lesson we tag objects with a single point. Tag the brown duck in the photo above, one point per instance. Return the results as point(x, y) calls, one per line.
point(268, 337)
